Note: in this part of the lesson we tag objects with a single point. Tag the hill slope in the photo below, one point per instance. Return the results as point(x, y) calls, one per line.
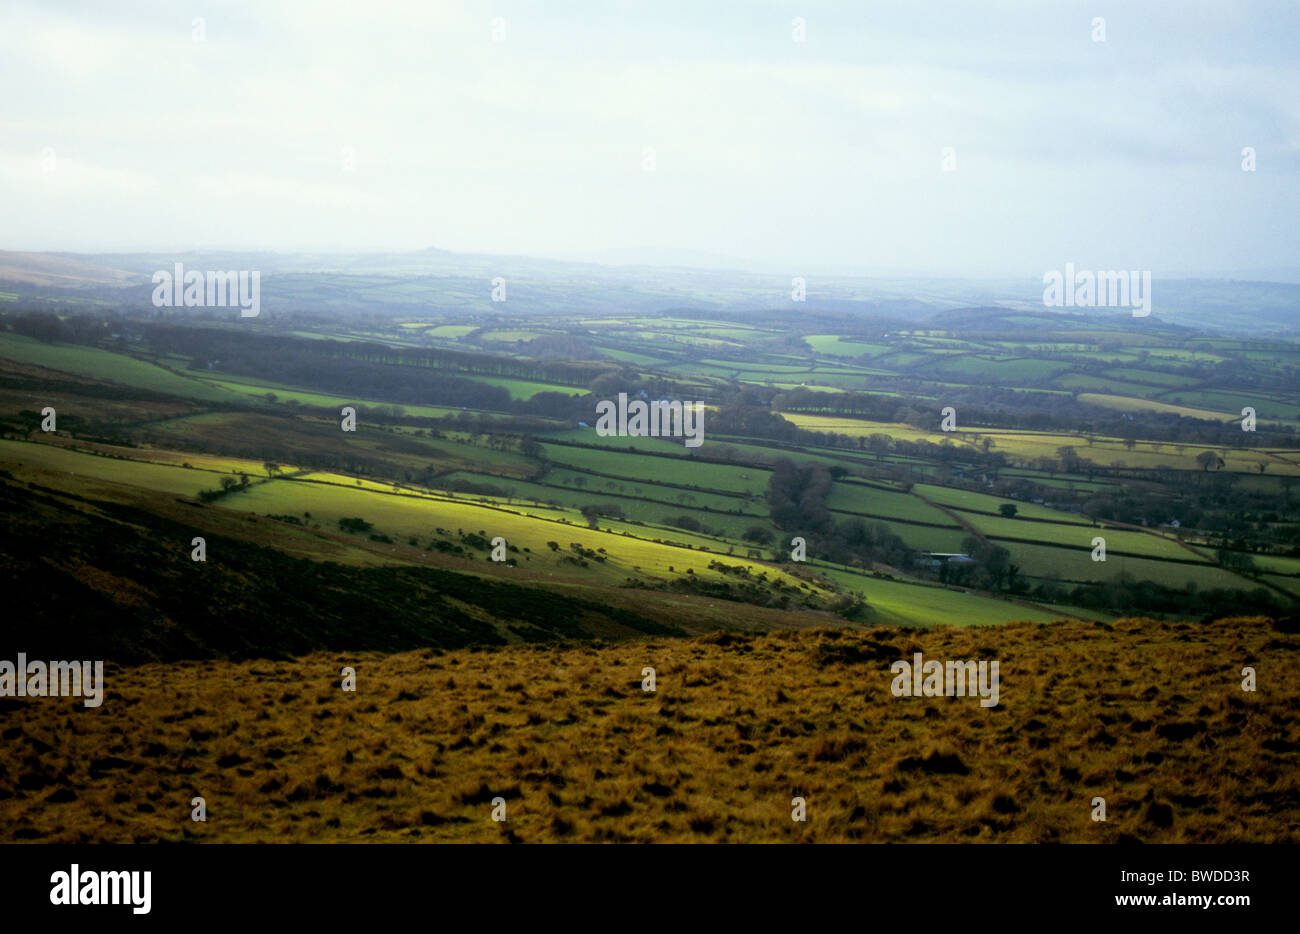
point(109, 580)
point(1157, 724)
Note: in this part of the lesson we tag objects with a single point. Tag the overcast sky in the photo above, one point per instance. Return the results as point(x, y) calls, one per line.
point(827, 152)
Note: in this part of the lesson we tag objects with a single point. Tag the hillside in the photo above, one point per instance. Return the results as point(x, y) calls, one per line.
point(52, 270)
point(117, 582)
point(1149, 715)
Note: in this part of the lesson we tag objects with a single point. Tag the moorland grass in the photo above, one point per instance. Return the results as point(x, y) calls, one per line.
point(1149, 716)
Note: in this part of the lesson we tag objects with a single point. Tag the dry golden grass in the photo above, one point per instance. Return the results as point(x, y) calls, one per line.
point(1148, 715)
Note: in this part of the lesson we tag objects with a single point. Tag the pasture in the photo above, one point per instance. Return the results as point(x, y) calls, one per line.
point(105, 365)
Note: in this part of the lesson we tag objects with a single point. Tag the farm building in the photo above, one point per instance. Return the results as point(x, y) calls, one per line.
point(934, 559)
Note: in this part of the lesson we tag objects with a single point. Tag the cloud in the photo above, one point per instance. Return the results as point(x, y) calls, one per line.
point(261, 187)
point(826, 151)
point(60, 177)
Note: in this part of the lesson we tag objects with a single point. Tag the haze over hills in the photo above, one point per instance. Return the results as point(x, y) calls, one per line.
point(443, 281)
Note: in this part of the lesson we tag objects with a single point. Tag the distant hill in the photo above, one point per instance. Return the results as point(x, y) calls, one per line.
point(437, 281)
point(50, 269)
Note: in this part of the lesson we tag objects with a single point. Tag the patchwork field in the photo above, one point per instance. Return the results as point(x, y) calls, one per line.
point(1022, 446)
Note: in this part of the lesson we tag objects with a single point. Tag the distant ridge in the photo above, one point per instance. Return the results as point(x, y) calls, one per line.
point(50, 269)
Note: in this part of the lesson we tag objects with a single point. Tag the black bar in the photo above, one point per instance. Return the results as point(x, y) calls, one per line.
point(919, 884)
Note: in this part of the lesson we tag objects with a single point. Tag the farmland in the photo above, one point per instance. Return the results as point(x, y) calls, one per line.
point(426, 498)
point(526, 467)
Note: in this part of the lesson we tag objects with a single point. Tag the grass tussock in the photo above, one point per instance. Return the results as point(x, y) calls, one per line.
point(1149, 715)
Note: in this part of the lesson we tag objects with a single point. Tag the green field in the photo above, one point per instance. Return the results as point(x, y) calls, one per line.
point(901, 604)
point(641, 502)
point(526, 389)
point(1076, 564)
point(965, 499)
point(1129, 404)
point(1234, 402)
point(288, 394)
point(858, 497)
point(450, 330)
point(1025, 445)
point(1153, 377)
point(113, 367)
point(839, 347)
point(85, 468)
point(1009, 371)
point(688, 472)
point(671, 499)
point(1105, 385)
point(1136, 543)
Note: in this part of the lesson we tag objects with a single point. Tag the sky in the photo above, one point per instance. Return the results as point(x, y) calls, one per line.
point(611, 129)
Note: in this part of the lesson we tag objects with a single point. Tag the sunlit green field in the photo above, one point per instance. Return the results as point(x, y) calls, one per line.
point(966, 499)
point(401, 513)
point(859, 497)
point(1129, 404)
point(319, 399)
point(911, 604)
point(178, 471)
point(1026, 445)
point(526, 389)
point(103, 364)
